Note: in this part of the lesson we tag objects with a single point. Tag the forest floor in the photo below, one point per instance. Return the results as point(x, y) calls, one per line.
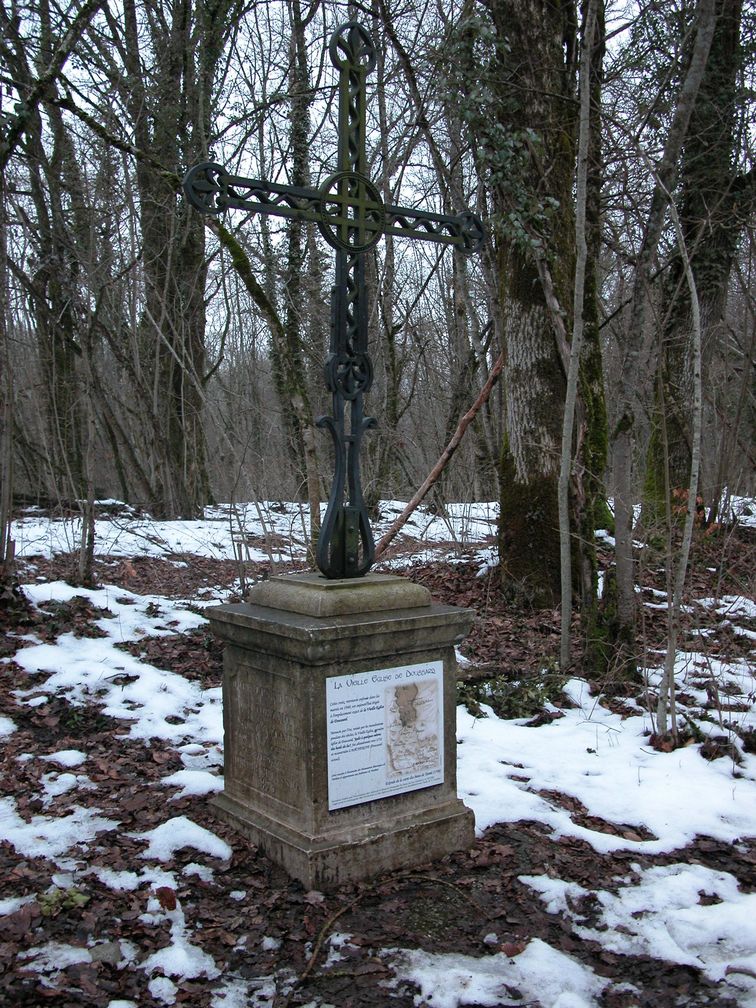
point(606, 872)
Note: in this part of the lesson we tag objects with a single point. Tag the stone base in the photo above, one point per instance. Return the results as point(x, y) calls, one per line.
point(357, 853)
point(314, 595)
point(283, 649)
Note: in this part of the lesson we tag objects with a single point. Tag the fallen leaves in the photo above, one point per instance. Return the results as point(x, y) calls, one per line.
point(513, 949)
point(166, 897)
point(276, 930)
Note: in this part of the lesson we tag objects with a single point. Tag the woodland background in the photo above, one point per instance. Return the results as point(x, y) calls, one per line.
point(170, 361)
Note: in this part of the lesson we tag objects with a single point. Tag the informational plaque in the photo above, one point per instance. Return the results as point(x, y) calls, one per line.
point(385, 733)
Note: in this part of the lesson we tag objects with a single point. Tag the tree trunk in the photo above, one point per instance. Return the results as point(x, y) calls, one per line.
point(666, 702)
point(589, 489)
point(532, 199)
point(711, 226)
point(578, 330)
point(170, 112)
point(638, 367)
point(7, 549)
point(289, 371)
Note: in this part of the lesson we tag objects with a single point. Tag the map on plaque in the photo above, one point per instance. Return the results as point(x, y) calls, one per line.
point(385, 733)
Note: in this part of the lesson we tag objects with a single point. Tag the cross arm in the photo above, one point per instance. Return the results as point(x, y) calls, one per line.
point(465, 230)
point(212, 190)
point(347, 207)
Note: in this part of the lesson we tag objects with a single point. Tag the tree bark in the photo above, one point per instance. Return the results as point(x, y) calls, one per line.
point(7, 547)
point(532, 197)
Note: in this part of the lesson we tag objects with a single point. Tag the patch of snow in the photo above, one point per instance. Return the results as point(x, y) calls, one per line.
point(462, 661)
point(13, 903)
point(53, 957)
point(67, 757)
point(94, 669)
point(119, 881)
point(55, 784)
point(200, 870)
point(605, 763)
point(128, 881)
point(180, 958)
point(193, 782)
point(684, 913)
point(163, 989)
point(259, 992)
point(731, 606)
point(208, 756)
point(487, 559)
point(174, 834)
point(336, 943)
point(743, 509)
point(548, 977)
point(6, 727)
point(36, 701)
point(191, 749)
point(50, 837)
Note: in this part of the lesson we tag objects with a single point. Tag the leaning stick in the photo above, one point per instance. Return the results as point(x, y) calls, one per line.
point(443, 461)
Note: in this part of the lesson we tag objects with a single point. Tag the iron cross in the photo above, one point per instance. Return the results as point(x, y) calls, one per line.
point(351, 217)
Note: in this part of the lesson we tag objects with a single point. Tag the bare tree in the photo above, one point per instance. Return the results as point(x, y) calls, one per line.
point(578, 322)
point(641, 342)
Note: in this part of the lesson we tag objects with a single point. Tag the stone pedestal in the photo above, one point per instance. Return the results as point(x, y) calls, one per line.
point(297, 640)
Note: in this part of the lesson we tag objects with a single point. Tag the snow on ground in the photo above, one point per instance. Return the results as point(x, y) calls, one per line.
point(659, 912)
point(266, 531)
point(539, 973)
point(607, 764)
point(506, 771)
point(94, 669)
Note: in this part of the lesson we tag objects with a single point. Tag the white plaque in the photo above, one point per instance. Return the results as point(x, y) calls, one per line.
point(385, 732)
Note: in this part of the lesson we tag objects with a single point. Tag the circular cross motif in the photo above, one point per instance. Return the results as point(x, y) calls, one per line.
point(473, 232)
point(351, 47)
point(202, 188)
point(349, 374)
point(352, 212)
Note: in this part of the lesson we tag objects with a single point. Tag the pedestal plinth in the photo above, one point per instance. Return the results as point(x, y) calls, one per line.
point(339, 725)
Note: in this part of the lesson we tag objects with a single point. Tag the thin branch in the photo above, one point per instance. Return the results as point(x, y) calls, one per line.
point(61, 55)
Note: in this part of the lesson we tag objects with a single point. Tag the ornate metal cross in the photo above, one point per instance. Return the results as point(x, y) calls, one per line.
point(352, 218)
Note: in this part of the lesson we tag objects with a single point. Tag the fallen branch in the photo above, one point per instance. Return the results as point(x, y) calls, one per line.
point(322, 935)
point(443, 461)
